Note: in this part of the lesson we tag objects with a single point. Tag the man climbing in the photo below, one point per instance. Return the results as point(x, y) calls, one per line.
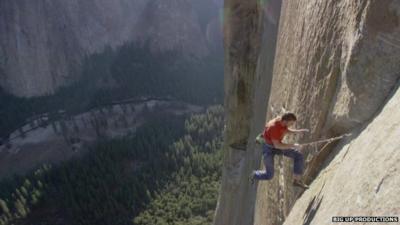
point(273, 134)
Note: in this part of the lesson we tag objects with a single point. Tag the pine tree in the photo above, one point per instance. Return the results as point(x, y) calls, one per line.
point(3, 207)
point(21, 210)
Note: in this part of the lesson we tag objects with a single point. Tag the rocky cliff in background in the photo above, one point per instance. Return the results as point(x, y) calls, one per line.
point(170, 25)
point(336, 65)
point(42, 43)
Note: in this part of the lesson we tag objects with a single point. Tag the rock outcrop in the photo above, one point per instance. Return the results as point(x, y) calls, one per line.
point(336, 64)
point(362, 179)
point(249, 40)
point(42, 42)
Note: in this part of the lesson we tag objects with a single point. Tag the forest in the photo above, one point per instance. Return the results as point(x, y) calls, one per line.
point(168, 172)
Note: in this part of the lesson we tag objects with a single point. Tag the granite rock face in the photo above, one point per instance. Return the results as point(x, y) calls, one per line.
point(362, 179)
point(249, 41)
point(42, 43)
point(336, 64)
point(168, 28)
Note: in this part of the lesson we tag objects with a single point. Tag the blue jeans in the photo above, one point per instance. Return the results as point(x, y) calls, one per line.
point(268, 154)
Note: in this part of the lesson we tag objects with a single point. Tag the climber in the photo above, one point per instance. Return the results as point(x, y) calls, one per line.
point(273, 134)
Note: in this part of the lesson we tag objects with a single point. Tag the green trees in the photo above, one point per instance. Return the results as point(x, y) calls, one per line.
point(3, 207)
point(190, 197)
point(16, 204)
point(165, 174)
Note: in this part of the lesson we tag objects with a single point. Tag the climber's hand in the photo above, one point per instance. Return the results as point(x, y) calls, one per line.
point(298, 147)
point(298, 131)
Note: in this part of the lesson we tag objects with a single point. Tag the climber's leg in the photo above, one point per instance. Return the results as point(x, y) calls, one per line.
point(298, 166)
point(298, 161)
point(268, 159)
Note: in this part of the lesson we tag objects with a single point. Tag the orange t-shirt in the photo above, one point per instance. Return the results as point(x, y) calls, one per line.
point(276, 130)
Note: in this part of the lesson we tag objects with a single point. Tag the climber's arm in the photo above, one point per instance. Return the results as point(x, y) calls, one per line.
point(282, 146)
point(297, 131)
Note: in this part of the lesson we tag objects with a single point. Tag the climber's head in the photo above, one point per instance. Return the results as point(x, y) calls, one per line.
point(288, 119)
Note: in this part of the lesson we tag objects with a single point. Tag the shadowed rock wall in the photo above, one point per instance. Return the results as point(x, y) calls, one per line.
point(250, 30)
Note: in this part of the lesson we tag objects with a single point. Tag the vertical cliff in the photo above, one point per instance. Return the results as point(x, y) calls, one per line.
point(168, 28)
point(249, 41)
point(42, 43)
point(362, 179)
point(336, 64)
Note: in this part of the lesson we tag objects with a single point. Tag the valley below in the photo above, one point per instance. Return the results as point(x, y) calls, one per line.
point(33, 145)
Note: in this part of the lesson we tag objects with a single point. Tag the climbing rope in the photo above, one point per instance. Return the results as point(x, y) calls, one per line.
point(327, 140)
point(317, 150)
point(260, 139)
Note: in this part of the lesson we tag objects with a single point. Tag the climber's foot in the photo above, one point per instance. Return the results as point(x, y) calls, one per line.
point(251, 177)
point(300, 183)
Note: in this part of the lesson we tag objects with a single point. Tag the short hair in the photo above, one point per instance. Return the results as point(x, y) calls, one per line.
point(289, 116)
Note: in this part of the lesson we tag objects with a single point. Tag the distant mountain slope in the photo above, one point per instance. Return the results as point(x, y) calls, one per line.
point(42, 42)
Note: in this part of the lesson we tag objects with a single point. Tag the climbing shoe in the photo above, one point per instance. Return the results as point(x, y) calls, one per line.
point(300, 183)
point(251, 177)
